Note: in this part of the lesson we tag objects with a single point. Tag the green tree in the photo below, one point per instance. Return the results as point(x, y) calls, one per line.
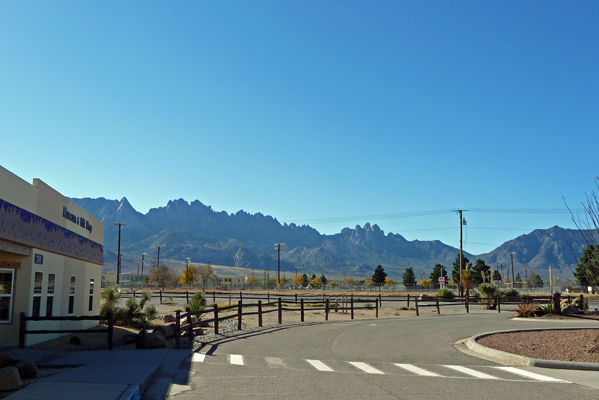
point(408, 278)
point(436, 274)
point(587, 268)
point(455, 272)
point(378, 277)
point(496, 275)
point(534, 280)
point(324, 280)
point(480, 269)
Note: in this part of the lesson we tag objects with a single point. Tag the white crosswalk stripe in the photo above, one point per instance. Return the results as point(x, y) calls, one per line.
point(436, 371)
point(471, 372)
point(236, 359)
point(319, 365)
point(416, 370)
point(531, 375)
point(366, 368)
point(275, 362)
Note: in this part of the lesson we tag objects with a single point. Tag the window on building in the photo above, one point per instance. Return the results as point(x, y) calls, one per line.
point(50, 295)
point(6, 289)
point(91, 295)
point(37, 294)
point(72, 295)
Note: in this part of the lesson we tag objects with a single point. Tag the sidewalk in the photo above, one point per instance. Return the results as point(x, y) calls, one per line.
point(101, 375)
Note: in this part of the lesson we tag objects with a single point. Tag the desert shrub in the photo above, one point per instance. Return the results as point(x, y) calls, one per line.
point(403, 308)
point(487, 289)
point(527, 310)
point(368, 306)
point(197, 302)
point(508, 293)
point(170, 303)
point(446, 294)
point(151, 311)
point(547, 308)
point(145, 297)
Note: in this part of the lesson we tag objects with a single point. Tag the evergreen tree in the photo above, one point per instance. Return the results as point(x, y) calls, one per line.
point(324, 280)
point(496, 275)
point(478, 269)
point(378, 277)
point(408, 278)
point(436, 274)
point(587, 268)
point(455, 272)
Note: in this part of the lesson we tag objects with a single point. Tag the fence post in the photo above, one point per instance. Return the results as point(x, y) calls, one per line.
point(187, 296)
point(214, 295)
point(498, 304)
point(22, 329)
point(280, 312)
point(239, 314)
point(268, 297)
point(380, 300)
point(437, 303)
point(326, 310)
point(416, 303)
point(352, 305)
point(260, 313)
point(190, 323)
point(160, 296)
point(177, 327)
point(240, 296)
point(296, 298)
point(216, 319)
point(377, 309)
point(467, 306)
point(323, 298)
point(408, 299)
point(110, 329)
point(302, 309)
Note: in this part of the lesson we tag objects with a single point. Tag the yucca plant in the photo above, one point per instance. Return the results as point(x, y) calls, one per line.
point(197, 302)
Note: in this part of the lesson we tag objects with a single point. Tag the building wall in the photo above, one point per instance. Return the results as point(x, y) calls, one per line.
point(45, 202)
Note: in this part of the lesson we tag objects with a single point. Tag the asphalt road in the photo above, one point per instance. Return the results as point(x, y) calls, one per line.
point(407, 358)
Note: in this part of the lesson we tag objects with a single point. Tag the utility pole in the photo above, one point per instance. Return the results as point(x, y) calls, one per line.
point(158, 260)
point(118, 262)
point(278, 249)
point(512, 254)
point(462, 223)
point(187, 271)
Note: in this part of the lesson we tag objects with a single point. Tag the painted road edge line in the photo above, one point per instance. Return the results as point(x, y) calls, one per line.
point(471, 372)
point(416, 370)
point(366, 368)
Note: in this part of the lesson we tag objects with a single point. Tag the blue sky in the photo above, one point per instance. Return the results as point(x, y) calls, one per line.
point(310, 111)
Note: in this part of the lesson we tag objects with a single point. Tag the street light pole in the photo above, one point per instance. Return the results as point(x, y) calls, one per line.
point(118, 261)
point(278, 248)
point(142, 265)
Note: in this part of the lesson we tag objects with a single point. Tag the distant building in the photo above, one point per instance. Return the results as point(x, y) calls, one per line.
point(232, 282)
point(51, 256)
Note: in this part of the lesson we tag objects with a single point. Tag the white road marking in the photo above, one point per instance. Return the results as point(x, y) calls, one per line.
point(198, 357)
point(416, 370)
point(236, 359)
point(366, 368)
point(275, 362)
point(319, 365)
point(471, 372)
point(531, 375)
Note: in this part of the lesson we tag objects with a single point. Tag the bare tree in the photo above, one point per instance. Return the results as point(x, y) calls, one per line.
point(205, 272)
point(588, 227)
point(163, 275)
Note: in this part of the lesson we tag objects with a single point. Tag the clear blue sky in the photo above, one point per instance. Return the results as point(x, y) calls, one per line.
point(310, 110)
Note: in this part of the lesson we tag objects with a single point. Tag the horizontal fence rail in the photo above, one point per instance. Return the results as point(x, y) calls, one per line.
point(23, 331)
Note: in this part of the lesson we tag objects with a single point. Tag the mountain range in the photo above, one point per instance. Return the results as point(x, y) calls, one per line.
point(244, 240)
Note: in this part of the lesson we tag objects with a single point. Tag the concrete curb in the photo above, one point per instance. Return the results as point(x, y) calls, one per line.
point(513, 359)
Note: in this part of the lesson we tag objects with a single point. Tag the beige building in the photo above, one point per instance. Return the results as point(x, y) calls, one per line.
point(51, 257)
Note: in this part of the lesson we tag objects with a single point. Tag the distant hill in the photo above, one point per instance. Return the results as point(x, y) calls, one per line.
point(247, 241)
point(538, 250)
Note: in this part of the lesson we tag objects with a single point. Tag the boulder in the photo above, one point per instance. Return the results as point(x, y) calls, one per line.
point(193, 320)
point(425, 297)
point(570, 310)
point(156, 340)
point(5, 359)
point(169, 318)
point(26, 369)
point(10, 379)
point(168, 331)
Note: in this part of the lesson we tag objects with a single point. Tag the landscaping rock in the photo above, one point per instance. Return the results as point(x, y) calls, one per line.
point(156, 340)
point(193, 320)
point(10, 379)
point(570, 310)
point(168, 331)
point(169, 318)
point(425, 297)
point(5, 359)
point(26, 369)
